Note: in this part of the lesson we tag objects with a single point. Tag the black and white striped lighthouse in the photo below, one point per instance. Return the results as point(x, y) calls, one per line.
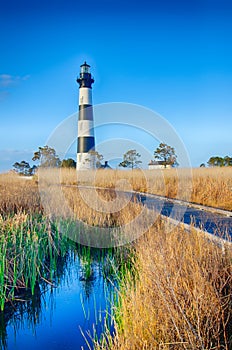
point(85, 141)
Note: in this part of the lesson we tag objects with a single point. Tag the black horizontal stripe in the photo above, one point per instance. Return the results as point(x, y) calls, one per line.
point(85, 144)
point(85, 80)
point(85, 112)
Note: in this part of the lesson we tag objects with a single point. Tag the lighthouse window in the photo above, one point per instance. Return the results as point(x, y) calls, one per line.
point(84, 69)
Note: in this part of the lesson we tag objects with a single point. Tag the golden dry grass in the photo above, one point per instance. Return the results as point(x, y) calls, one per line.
point(212, 187)
point(206, 186)
point(182, 299)
point(18, 194)
point(46, 196)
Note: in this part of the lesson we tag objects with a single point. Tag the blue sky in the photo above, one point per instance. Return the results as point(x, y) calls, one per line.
point(174, 57)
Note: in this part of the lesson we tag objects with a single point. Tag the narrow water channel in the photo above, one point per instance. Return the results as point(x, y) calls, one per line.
point(62, 315)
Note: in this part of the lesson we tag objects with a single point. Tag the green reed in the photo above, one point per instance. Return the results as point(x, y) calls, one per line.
point(116, 266)
point(29, 249)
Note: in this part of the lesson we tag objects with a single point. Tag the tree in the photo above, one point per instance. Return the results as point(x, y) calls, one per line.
point(220, 161)
point(227, 161)
point(99, 159)
point(215, 161)
point(130, 159)
point(33, 169)
point(22, 168)
point(68, 163)
point(47, 157)
point(166, 154)
point(97, 156)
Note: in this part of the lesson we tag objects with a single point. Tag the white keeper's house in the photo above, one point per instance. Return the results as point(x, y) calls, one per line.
point(158, 164)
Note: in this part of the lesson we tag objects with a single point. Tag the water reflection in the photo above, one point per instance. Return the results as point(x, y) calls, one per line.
point(78, 301)
point(25, 313)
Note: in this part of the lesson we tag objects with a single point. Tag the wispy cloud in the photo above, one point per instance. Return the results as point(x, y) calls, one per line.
point(7, 80)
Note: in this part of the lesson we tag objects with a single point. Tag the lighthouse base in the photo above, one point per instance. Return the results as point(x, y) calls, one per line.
point(86, 161)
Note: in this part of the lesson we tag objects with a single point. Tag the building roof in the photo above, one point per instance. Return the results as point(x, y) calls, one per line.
point(105, 166)
point(157, 162)
point(85, 64)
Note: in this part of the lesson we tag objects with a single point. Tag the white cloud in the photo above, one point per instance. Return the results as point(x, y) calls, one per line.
point(7, 80)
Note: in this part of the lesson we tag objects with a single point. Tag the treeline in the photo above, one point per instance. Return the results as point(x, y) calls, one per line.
point(47, 157)
point(219, 161)
point(164, 153)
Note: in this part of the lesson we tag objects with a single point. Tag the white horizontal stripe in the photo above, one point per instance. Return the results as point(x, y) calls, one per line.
point(85, 161)
point(85, 96)
point(85, 128)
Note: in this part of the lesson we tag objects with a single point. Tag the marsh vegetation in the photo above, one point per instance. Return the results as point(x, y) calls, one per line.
point(206, 186)
point(175, 293)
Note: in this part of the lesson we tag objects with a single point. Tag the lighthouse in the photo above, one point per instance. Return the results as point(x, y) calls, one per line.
point(85, 139)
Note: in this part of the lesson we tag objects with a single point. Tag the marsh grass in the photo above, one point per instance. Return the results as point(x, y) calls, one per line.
point(18, 194)
point(206, 186)
point(182, 298)
point(31, 240)
point(29, 249)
